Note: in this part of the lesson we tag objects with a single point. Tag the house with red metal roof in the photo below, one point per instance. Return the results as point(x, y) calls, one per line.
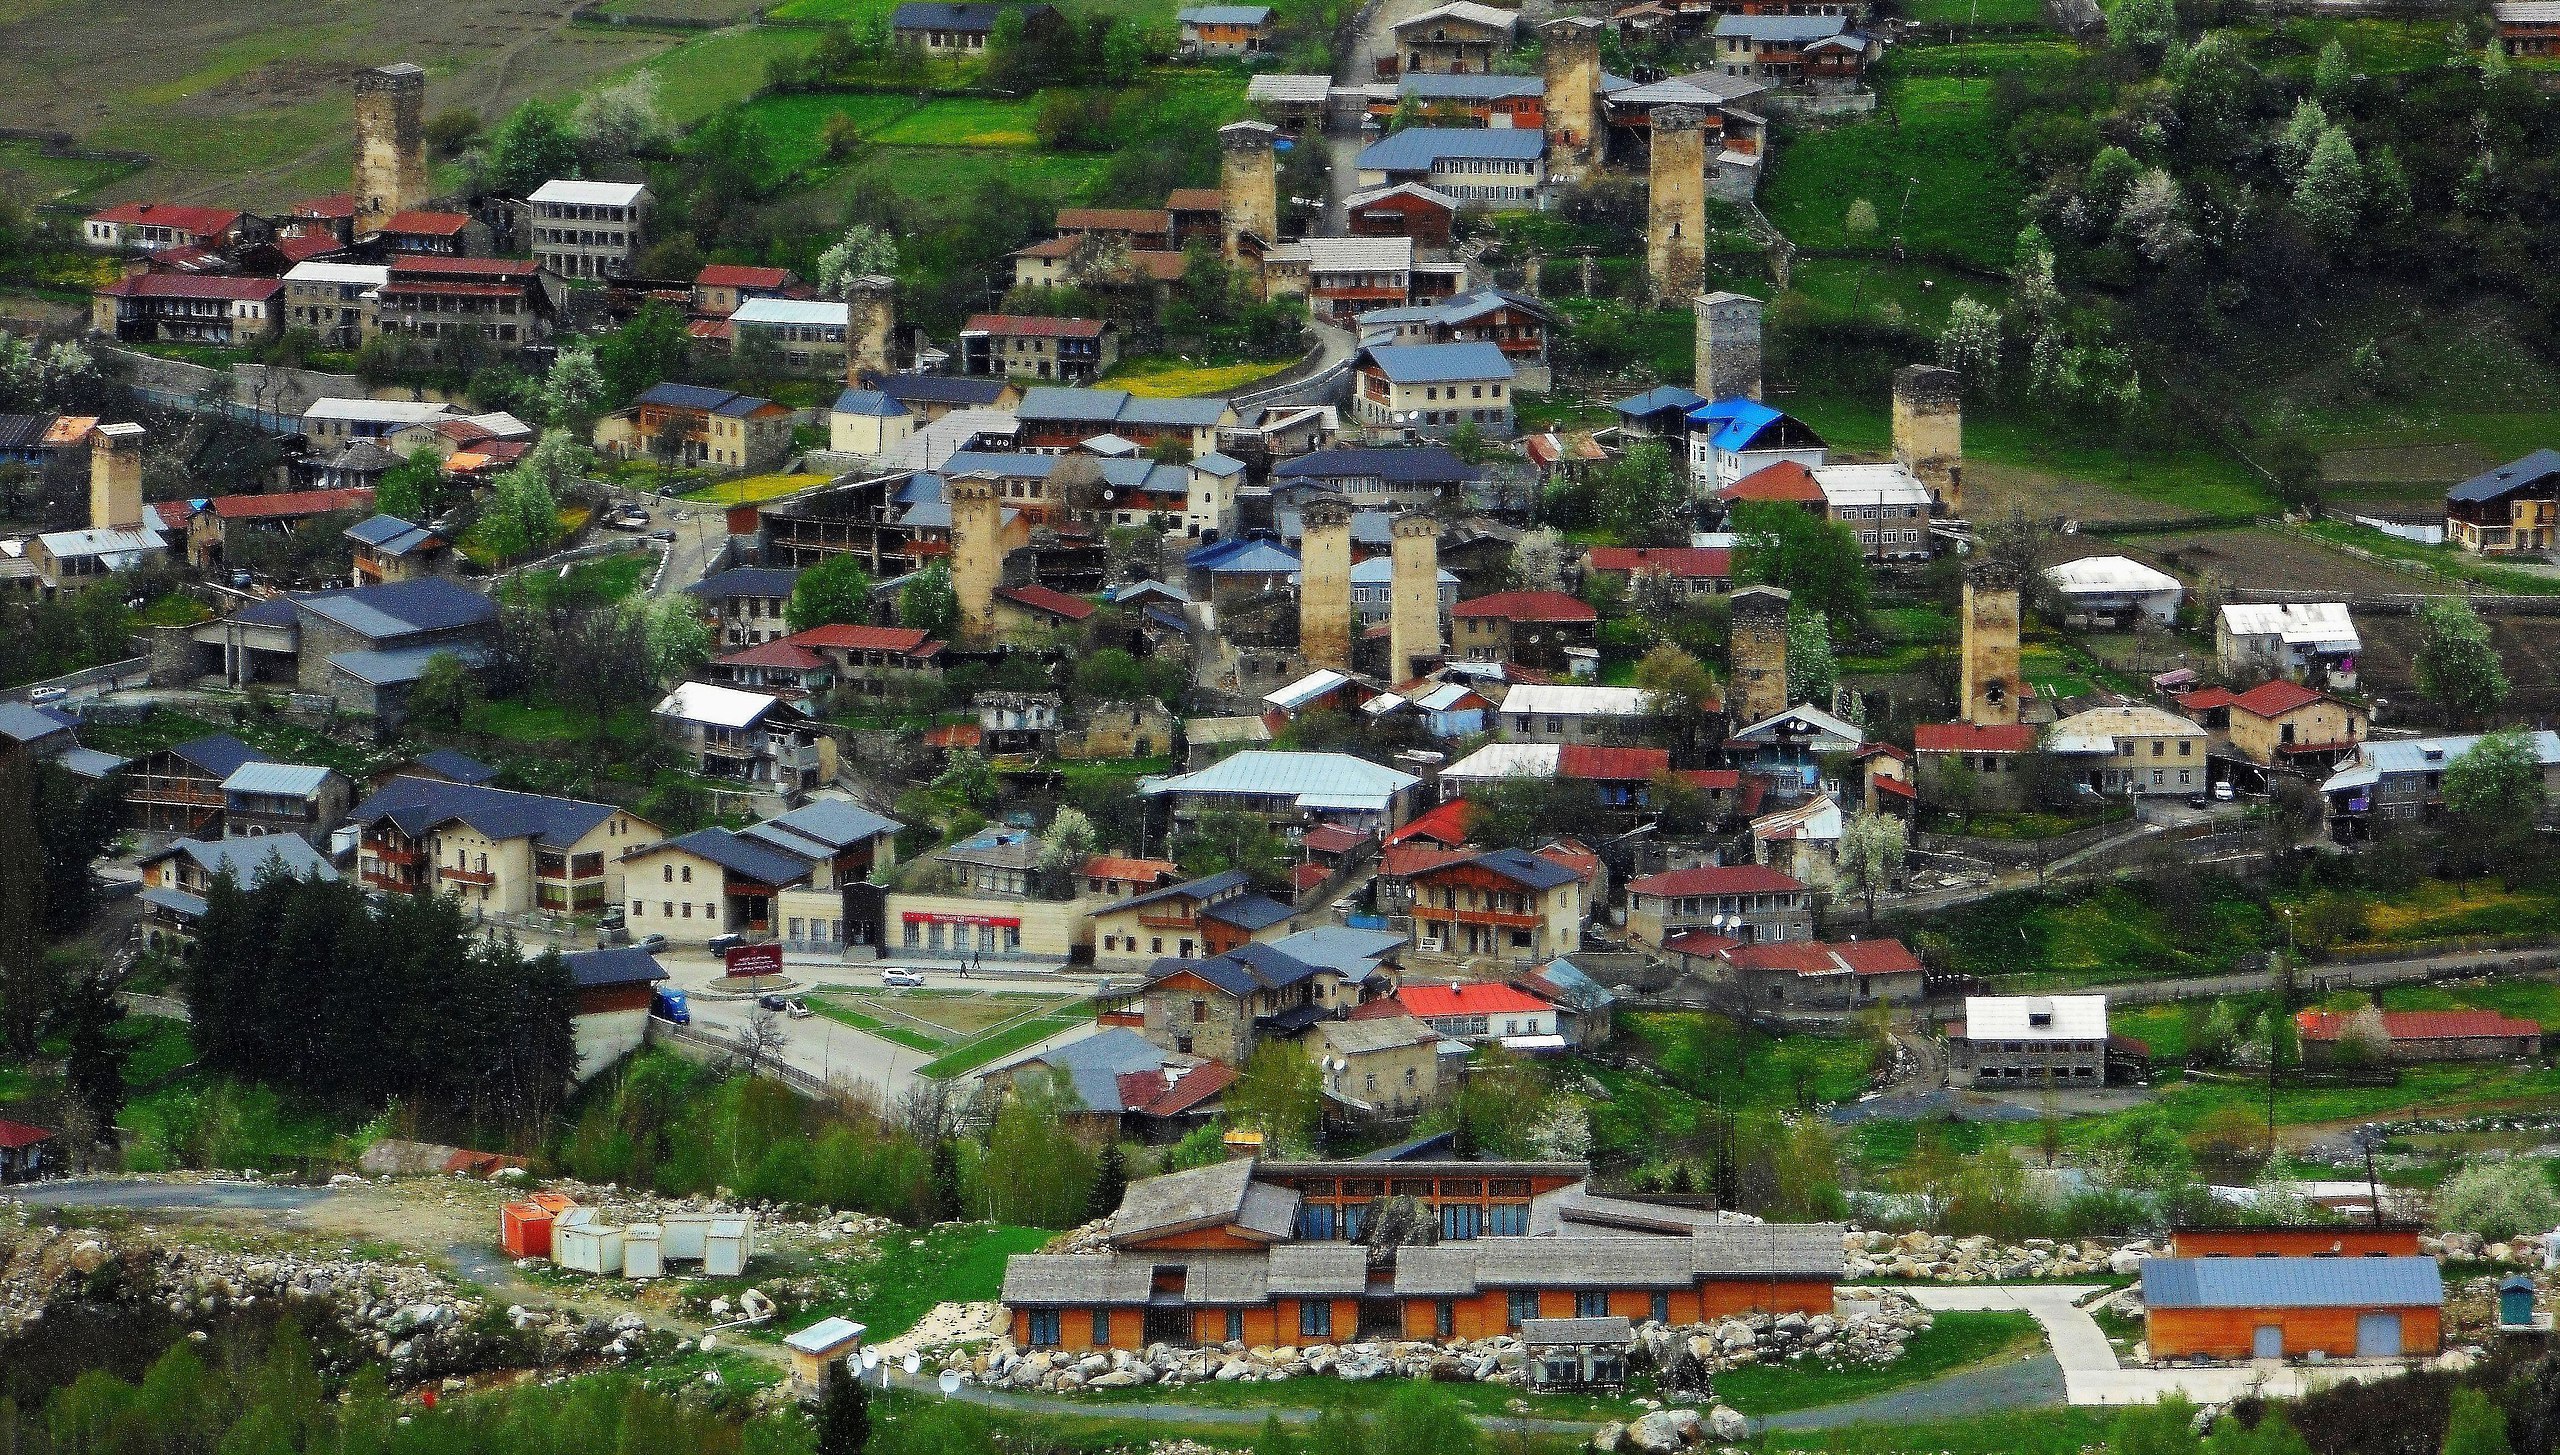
point(1031, 346)
point(435, 295)
point(1038, 608)
point(1478, 1012)
point(226, 520)
point(1786, 481)
point(1533, 628)
point(1685, 571)
point(2282, 724)
point(873, 659)
point(187, 307)
point(149, 227)
point(1751, 903)
point(22, 1151)
point(1822, 975)
point(2418, 1035)
point(720, 287)
point(443, 234)
point(781, 667)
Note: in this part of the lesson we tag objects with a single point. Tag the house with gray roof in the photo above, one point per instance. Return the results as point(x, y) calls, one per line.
point(301, 799)
point(364, 646)
point(506, 852)
point(610, 995)
point(176, 879)
point(52, 735)
point(1125, 1084)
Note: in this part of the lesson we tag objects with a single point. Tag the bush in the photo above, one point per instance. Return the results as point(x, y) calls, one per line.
point(2499, 1200)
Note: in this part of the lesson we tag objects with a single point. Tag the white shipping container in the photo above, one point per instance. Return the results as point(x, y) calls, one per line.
point(727, 1247)
point(588, 1248)
point(683, 1236)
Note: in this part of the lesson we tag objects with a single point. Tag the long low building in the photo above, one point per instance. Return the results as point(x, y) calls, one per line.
point(1267, 1254)
point(2373, 1307)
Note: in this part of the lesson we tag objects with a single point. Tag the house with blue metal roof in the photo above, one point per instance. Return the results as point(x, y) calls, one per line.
point(609, 1004)
point(868, 422)
point(1408, 478)
point(1730, 438)
point(1225, 30)
point(2292, 1308)
point(388, 548)
point(176, 879)
point(2512, 509)
point(958, 29)
point(1498, 167)
point(1240, 566)
point(712, 882)
point(301, 799)
point(695, 425)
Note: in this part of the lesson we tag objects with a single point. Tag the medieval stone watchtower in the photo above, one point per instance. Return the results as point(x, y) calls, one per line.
point(1248, 183)
point(1324, 582)
point(977, 555)
point(870, 315)
point(115, 477)
point(1988, 658)
point(1413, 609)
point(1928, 430)
point(1728, 346)
point(1571, 67)
point(391, 143)
point(1759, 653)
point(1675, 251)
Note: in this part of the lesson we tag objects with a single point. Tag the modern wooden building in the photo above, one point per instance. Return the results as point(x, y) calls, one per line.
point(2379, 1307)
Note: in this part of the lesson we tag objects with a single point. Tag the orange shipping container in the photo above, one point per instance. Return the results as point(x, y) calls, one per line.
point(524, 1230)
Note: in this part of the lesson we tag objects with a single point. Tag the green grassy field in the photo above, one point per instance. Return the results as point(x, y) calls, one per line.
point(792, 123)
point(592, 583)
point(1943, 150)
point(1975, 12)
point(962, 122)
point(955, 1263)
point(721, 69)
point(986, 1050)
point(1952, 1341)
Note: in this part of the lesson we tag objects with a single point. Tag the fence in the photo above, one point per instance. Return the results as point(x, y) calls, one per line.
point(706, 1047)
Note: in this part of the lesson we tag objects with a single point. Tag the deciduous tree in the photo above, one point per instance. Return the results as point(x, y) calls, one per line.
point(2457, 662)
point(836, 590)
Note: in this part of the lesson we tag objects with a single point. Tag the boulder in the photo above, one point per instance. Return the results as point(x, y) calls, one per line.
point(1727, 1424)
point(1663, 1432)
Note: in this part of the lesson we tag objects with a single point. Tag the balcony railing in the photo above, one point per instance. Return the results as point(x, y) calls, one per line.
point(468, 876)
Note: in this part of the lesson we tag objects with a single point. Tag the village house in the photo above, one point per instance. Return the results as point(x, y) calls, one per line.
point(747, 603)
point(1482, 1013)
point(736, 881)
point(955, 29)
point(365, 646)
point(781, 667)
point(1221, 1006)
point(386, 548)
point(872, 660)
point(1246, 1252)
point(201, 308)
point(2513, 509)
point(1748, 903)
point(2131, 749)
point(1884, 506)
point(1292, 791)
point(1057, 418)
point(1731, 440)
point(298, 799)
point(1819, 52)
point(611, 990)
point(868, 422)
point(1620, 778)
point(2274, 1307)
point(2314, 644)
point(2528, 27)
point(177, 790)
point(1499, 168)
point(1535, 629)
point(1507, 905)
point(1348, 278)
point(500, 852)
point(2030, 1041)
point(1823, 975)
point(337, 421)
point(1685, 573)
point(1458, 39)
point(2417, 1035)
point(984, 903)
point(1408, 210)
point(806, 334)
point(332, 300)
point(1410, 477)
point(2279, 724)
point(226, 521)
point(1572, 712)
point(150, 227)
point(1461, 98)
point(1125, 1085)
point(1069, 350)
point(1194, 919)
point(1964, 764)
point(751, 736)
point(690, 425)
point(2116, 591)
point(498, 300)
point(177, 879)
point(50, 735)
point(2402, 780)
point(1518, 326)
point(1378, 1065)
point(433, 233)
point(1225, 30)
point(720, 287)
point(589, 229)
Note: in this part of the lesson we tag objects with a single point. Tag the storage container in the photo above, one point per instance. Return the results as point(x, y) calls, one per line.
point(641, 1257)
point(727, 1247)
point(587, 1247)
point(524, 1230)
point(683, 1236)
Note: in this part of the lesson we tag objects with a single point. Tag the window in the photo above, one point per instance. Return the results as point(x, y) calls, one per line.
point(1315, 1222)
point(1199, 1011)
point(667, 910)
point(1590, 1303)
point(688, 873)
point(1315, 1319)
point(1044, 1328)
point(638, 907)
point(1522, 1306)
point(1460, 1221)
point(1662, 1308)
point(666, 874)
point(1444, 1319)
point(1102, 1326)
point(1235, 1326)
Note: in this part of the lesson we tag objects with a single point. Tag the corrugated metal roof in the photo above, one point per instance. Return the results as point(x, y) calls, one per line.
point(2014, 1017)
point(1318, 779)
point(1416, 148)
point(2291, 1283)
point(289, 780)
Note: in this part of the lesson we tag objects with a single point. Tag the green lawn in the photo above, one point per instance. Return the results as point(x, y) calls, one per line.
point(720, 69)
point(288, 742)
point(791, 123)
point(2023, 1432)
point(2442, 560)
point(971, 1055)
point(915, 1271)
point(591, 583)
point(1941, 147)
point(835, 1009)
point(2053, 940)
point(962, 122)
point(2375, 47)
point(1702, 1052)
point(1952, 1341)
point(2009, 13)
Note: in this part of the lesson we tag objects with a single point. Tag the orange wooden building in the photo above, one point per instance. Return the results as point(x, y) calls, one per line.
point(2292, 1307)
point(2362, 1240)
point(1210, 1256)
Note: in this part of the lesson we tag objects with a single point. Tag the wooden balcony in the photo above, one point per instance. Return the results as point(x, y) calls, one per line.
point(1505, 919)
point(468, 876)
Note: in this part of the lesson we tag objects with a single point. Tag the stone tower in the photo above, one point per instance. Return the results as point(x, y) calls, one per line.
point(977, 555)
point(391, 143)
point(1675, 245)
point(1248, 182)
point(1989, 660)
point(870, 314)
point(1413, 604)
point(1571, 66)
point(1928, 430)
point(1728, 346)
point(1759, 654)
point(1324, 582)
point(115, 477)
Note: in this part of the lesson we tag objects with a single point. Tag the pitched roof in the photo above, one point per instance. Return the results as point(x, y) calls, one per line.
point(401, 608)
point(2421, 1025)
point(1434, 1001)
point(219, 754)
point(1041, 1279)
point(1784, 480)
point(1024, 325)
point(758, 862)
point(1446, 824)
point(192, 285)
point(2276, 697)
point(1417, 148)
point(1591, 761)
point(249, 860)
point(740, 581)
point(286, 503)
point(283, 780)
point(589, 194)
point(1656, 400)
point(169, 214)
point(1046, 599)
point(1966, 737)
point(1438, 363)
point(417, 805)
point(423, 223)
point(17, 1135)
point(1717, 879)
point(1533, 606)
point(1204, 1197)
point(460, 767)
point(740, 275)
point(2534, 469)
point(625, 965)
point(852, 638)
point(2251, 1283)
point(1409, 465)
point(1821, 957)
point(1114, 219)
point(1679, 562)
point(1316, 780)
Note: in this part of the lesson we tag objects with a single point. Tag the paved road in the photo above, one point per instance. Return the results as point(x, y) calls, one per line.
point(171, 1196)
point(2079, 1345)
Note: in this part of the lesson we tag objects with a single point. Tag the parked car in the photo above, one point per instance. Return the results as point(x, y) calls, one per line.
point(43, 695)
point(662, 535)
point(654, 944)
point(773, 1002)
point(799, 1009)
point(2197, 800)
point(723, 944)
point(669, 1006)
point(2223, 792)
point(901, 979)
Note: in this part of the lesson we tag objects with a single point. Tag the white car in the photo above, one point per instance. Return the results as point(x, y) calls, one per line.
point(902, 979)
point(43, 695)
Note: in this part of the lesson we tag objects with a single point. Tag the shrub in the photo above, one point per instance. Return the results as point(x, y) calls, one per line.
point(2499, 1200)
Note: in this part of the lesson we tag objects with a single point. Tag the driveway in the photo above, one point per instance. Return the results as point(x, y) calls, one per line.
point(2079, 1345)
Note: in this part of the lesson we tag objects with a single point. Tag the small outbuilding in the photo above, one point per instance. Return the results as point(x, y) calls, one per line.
point(1577, 1353)
point(827, 1342)
point(2292, 1308)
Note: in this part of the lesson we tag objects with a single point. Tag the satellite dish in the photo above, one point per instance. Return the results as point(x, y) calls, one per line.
point(950, 1382)
point(911, 1364)
point(870, 1359)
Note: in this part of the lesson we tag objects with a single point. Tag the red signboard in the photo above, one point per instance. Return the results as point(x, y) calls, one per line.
point(755, 960)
